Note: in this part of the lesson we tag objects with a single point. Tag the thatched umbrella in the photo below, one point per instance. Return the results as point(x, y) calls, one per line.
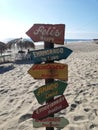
point(20, 43)
point(2, 47)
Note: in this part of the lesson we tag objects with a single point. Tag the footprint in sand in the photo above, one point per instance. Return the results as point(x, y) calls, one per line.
point(80, 117)
point(73, 106)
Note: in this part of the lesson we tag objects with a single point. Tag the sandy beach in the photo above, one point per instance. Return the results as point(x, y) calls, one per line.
point(17, 101)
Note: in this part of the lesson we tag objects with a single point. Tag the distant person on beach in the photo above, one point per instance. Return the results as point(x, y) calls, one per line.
point(28, 56)
point(28, 51)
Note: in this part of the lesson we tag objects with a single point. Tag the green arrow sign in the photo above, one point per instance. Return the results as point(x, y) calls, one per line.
point(58, 122)
point(50, 90)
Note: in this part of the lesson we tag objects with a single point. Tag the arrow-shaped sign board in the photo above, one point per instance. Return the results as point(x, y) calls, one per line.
point(49, 70)
point(58, 122)
point(50, 90)
point(47, 32)
point(44, 55)
point(57, 105)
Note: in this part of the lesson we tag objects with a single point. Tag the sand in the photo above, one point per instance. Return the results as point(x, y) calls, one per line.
point(17, 101)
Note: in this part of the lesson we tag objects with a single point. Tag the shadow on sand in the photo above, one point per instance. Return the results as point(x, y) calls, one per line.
point(4, 69)
point(25, 62)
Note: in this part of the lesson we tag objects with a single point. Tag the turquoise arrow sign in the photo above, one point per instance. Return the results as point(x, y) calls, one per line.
point(58, 122)
point(50, 90)
point(44, 55)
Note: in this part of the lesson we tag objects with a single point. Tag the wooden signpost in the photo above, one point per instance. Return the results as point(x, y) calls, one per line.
point(44, 55)
point(58, 122)
point(49, 70)
point(55, 106)
point(50, 90)
point(48, 45)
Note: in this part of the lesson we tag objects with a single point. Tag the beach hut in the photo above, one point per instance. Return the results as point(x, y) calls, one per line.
point(95, 40)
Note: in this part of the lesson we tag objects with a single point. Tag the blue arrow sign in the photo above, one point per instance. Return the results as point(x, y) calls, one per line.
point(44, 55)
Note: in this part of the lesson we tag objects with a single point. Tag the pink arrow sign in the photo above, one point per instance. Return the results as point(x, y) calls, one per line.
point(50, 108)
point(47, 32)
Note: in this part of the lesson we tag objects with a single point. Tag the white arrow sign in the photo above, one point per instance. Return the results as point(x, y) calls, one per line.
point(58, 122)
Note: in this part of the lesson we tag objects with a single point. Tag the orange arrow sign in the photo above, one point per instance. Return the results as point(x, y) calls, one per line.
point(49, 70)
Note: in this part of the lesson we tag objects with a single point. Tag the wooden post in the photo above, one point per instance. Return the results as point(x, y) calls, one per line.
point(48, 45)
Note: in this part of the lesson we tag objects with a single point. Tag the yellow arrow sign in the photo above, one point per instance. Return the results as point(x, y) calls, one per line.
point(49, 70)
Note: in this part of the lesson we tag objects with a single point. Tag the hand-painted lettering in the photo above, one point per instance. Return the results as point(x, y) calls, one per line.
point(43, 67)
point(50, 31)
point(47, 88)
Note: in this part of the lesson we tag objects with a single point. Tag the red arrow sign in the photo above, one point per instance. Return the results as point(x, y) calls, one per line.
point(47, 32)
point(53, 107)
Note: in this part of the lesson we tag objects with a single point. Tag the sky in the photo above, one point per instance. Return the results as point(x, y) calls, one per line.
point(79, 16)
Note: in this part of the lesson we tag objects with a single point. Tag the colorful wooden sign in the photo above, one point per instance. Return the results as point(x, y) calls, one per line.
point(50, 90)
point(58, 122)
point(47, 32)
point(49, 70)
point(57, 105)
point(44, 55)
